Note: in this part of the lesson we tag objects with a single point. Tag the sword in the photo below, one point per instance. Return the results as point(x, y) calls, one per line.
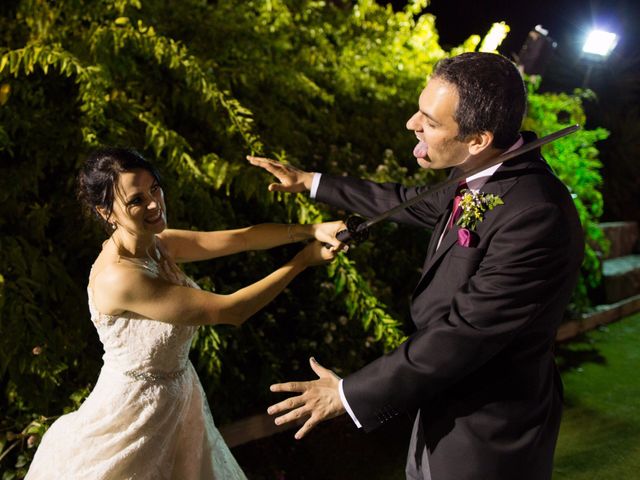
point(358, 227)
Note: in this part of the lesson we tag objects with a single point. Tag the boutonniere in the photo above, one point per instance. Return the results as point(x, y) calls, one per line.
point(473, 206)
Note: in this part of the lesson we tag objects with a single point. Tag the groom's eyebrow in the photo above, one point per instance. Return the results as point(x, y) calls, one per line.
point(429, 116)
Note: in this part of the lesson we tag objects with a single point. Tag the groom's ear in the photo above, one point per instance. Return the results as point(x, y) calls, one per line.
point(479, 142)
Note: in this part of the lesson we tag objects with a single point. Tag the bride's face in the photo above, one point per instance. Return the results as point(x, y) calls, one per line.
point(138, 206)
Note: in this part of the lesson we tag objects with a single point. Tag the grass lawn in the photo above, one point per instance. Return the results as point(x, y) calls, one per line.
point(600, 430)
point(599, 436)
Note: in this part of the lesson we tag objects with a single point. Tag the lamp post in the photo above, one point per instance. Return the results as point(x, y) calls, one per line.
point(597, 47)
point(536, 52)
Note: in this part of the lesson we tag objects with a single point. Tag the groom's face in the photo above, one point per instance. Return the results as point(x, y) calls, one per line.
point(435, 127)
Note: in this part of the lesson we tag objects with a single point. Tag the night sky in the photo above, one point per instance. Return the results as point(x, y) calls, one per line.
point(567, 21)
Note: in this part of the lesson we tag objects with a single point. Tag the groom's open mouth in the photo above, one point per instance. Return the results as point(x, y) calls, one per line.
point(421, 150)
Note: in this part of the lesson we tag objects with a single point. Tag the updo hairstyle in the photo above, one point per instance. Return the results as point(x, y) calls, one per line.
point(99, 176)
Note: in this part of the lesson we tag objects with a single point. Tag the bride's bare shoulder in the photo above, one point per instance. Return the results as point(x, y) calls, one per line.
point(111, 281)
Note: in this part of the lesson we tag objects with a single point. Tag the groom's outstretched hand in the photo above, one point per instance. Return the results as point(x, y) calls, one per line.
point(291, 179)
point(318, 399)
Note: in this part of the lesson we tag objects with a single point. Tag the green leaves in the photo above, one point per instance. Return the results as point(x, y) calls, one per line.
point(362, 304)
point(575, 160)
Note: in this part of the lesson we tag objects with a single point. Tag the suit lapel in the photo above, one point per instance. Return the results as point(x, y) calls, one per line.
point(500, 182)
point(437, 232)
point(434, 253)
point(447, 242)
point(440, 225)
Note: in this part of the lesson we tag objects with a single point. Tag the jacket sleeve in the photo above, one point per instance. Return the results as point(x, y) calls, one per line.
point(370, 199)
point(525, 277)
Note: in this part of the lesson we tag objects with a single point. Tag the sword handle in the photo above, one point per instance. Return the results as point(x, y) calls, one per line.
point(344, 236)
point(353, 233)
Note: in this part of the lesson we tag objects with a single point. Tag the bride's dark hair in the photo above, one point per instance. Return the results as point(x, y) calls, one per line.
point(99, 175)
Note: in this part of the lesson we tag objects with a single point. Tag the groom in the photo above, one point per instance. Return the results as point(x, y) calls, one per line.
point(479, 370)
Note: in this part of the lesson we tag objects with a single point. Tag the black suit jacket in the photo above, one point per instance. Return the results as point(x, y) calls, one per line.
point(479, 366)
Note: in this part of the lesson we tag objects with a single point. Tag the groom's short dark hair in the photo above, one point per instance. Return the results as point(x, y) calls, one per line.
point(492, 95)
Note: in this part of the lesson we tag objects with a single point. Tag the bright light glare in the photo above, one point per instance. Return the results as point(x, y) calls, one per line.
point(494, 38)
point(600, 43)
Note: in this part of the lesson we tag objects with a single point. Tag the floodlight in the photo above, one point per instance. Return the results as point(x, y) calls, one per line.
point(600, 43)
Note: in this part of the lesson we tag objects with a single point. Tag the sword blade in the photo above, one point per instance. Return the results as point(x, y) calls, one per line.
point(454, 181)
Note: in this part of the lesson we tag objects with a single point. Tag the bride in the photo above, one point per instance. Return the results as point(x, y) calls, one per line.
point(148, 417)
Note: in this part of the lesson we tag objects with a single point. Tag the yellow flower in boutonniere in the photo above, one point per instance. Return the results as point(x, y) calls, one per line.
point(474, 205)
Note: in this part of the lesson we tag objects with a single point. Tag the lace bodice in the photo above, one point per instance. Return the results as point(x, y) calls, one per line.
point(133, 343)
point(136, 344)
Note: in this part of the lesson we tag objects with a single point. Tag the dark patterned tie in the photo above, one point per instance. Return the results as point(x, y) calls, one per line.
point(456, 209)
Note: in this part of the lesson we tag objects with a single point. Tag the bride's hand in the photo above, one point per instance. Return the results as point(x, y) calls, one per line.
point(315, 253)
point(326, 233)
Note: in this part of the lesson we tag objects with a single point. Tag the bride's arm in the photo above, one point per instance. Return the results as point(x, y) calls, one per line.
point(190, 246)
point(126, 288)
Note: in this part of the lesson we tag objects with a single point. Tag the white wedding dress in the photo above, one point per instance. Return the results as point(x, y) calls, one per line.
point(147, 417)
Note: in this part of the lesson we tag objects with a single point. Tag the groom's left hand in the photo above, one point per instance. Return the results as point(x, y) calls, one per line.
point(320, 399)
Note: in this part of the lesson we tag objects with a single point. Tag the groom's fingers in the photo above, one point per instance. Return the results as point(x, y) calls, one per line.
point(317, 368)
point(265, 163)
point(277, 187)
point(288, 404)
point(269, 165)
point(306, 428)
point(320, 370)
point(293, 415)
point(258, 161)
point(289, 387)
